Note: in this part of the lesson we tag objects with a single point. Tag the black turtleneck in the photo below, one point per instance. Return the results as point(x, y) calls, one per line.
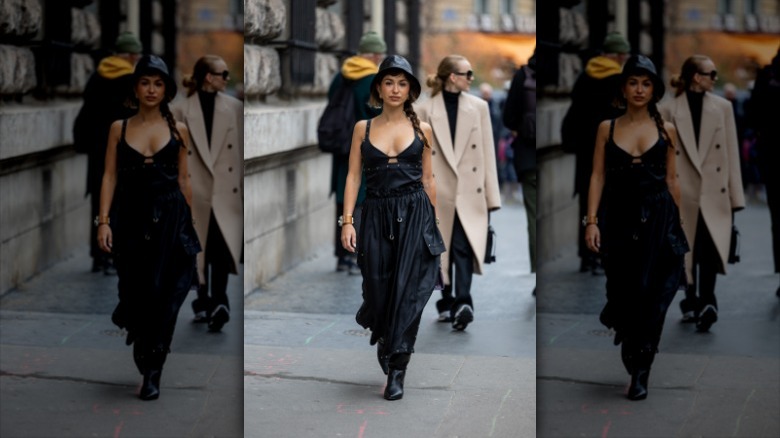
point(207, 105)
point(451, 103)
point(695, 100)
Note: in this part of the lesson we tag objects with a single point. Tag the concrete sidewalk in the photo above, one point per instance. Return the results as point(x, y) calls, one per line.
point(725, 383)
point(309, 369)
point(65, 370)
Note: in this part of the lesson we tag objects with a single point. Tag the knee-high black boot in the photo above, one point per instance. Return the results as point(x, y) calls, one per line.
point(395, 378)
point(640, 374)
point(154, 360)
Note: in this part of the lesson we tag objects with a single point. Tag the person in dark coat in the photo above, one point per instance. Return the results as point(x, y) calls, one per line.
point(152, 236)
point(359, 70)
point(592, 102)
point(765, 112)
point(398, 244)
point(104, 101)
point(643, 243)
point(520, 116)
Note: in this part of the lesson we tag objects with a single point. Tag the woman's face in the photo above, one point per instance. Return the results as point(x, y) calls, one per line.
point(462, 76)
point(150, 90)
point(218, 76)
point(706, 76)
point(394, 89)
point(638, 90)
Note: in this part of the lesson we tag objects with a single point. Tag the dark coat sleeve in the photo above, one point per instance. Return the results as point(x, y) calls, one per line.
point(513, 106)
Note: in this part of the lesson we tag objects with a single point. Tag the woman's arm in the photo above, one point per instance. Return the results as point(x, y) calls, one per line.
point(671, 164)
point(104, 233)
point(354, 175)
point(592, 232)
point(429, 183)
point(184, 178)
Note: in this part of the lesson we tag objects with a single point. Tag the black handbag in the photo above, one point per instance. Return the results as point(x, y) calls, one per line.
point(734, 247)
point(490, 252)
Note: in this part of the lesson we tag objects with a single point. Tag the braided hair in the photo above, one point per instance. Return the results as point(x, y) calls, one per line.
point(659, 122)
point(168, 115)
point(411, 115)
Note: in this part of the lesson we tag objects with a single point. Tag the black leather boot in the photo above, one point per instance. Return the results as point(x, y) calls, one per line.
point(383, 361)
point(395, 378)
point(150, 389)
point(641, 372)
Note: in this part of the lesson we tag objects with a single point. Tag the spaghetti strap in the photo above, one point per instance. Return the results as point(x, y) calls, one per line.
point(611, 129)
point(368, 128)
point(124, 127)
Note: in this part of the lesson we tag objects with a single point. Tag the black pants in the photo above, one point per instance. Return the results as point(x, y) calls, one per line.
point(706, 265)
point(218, 264)
point(462, 260)
point(773, 199)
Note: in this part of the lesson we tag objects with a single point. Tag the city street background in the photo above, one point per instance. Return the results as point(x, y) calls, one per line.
point(309, 369)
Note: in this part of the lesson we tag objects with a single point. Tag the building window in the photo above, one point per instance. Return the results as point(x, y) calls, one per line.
point(725, 7)
point(751, 7)
point(481, 7)
point(507, 6)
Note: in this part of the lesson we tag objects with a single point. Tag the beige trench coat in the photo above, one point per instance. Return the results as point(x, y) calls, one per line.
point(465, 173)
point(216, 173)
point(709, 175)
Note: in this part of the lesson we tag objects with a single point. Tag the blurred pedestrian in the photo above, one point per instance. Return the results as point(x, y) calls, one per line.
point(464, 162)
point(357, 72)
point(592, 101)
point(643, 244)
point(216, 162)
point(152, 238)
point(398, 244)
point(710, 181)
point(520, 116)
point(104, 102)
point(765, 112)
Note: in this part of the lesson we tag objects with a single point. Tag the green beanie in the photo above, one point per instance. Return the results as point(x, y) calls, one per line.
point(616, 43)
point(371, 42)
point(126, 42)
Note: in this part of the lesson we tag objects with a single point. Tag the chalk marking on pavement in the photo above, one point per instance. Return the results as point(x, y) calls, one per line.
point(605, 430)
point(65, 339)
point(309, 339)
point(118, 428)
point(362, 429)
point(552, 340)
point(495, 417)
point(744, 406)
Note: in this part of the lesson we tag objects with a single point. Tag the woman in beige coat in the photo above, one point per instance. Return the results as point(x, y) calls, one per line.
point(464, 165)
point(215, 121)
point(710, 182)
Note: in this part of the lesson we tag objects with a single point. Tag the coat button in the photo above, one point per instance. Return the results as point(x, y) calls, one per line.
point(230, 146)
point(473, 146)
point(723, 190)
point(717, 146)
point(433, 152)
point(230, 169)
point(718, 169)
point(474, 169)
point(479, 190)
point(189, 152)
point(678, 152)
point(235, 189)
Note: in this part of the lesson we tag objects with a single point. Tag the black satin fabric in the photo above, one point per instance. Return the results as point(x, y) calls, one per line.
point(643, 243)
point(154, 242)
point(398, 246)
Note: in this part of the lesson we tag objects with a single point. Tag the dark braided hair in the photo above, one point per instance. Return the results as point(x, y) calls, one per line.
point(411, 115)
point(168, 115)
point(659, 121)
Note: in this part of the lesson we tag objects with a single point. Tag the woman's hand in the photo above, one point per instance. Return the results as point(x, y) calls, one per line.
point(349, 238)
point(105, 237)
point(593, 237)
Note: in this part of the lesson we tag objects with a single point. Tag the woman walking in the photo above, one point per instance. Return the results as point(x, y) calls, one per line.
point(152, 239)
point(398, 243)
point(643, 243)
point(464, 162)
point(216, 162)
point(710, 181)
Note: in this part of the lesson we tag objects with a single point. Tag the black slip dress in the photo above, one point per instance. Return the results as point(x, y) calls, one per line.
point(643, 243)
point(398, 245)
point(155, 244)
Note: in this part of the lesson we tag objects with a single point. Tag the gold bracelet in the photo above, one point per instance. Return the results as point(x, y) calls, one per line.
point(102, 220)
point(590, 220)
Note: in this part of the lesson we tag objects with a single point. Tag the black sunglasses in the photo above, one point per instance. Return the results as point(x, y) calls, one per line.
point(469, 74)
point(712, 74)
point(225, 74)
